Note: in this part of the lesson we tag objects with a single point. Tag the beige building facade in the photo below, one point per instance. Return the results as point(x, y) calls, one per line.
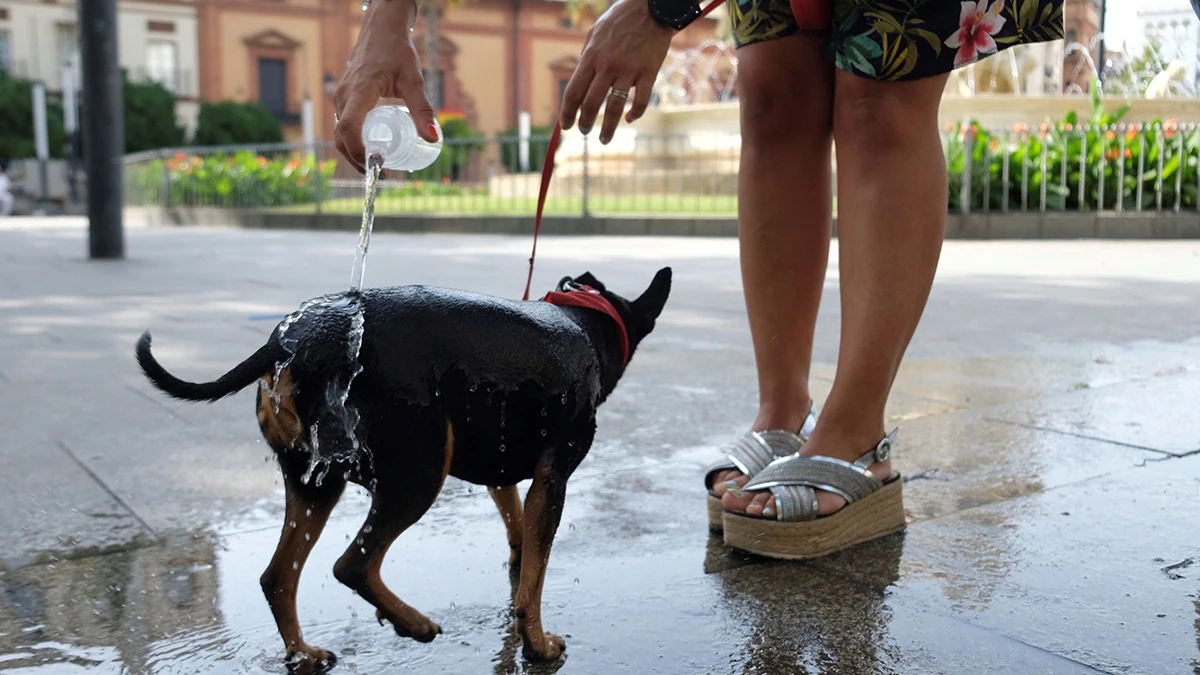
point(157, 40)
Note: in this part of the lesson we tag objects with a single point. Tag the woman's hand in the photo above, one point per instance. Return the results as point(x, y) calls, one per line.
point(624, 50)
point(383, 64)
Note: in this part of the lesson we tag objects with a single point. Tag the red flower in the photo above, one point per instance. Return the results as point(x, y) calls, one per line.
point(976, 25)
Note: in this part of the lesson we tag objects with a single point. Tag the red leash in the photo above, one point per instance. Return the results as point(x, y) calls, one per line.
point(548, 170)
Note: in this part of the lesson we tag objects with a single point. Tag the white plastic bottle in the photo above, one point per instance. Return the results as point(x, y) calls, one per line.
point(390, 132)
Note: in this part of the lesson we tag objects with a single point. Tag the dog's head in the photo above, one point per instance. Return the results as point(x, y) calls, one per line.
point(640, 314)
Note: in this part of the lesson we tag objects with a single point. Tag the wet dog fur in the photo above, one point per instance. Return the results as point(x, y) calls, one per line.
point(487, 390)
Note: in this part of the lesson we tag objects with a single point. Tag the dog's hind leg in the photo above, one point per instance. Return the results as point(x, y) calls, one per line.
point(508, 501)
point(543, 510)
point(392, 512)
point(307, 510)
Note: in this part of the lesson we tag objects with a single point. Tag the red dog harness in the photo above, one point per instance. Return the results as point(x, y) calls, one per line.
point(589, 298)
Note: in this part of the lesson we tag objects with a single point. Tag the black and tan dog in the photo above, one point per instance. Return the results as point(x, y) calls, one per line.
point(396, 388)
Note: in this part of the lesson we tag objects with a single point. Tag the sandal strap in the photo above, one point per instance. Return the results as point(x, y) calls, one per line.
point(755, 450)
point(794, 480)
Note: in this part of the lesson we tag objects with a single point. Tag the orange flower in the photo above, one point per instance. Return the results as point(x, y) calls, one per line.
point(995, 144)
point(1170, 127)
point(445, 180)
point(1044, 128)
point(293, 165)
point(1068, 127)
point(1112, 154)
point(1128, 153)
point(262, 161)
point(1131, 133)
point(1110, 135)
point(1020, 128)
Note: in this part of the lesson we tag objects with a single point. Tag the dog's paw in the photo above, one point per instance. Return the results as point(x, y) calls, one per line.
point(551, 649)
point(421, 630)
point(310, 661)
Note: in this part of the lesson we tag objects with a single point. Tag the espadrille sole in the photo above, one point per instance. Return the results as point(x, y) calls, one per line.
point(716, 513)
point(878, 515)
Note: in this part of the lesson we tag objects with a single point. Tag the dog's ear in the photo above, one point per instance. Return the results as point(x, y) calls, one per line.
point(651, 303)
point(588, 279)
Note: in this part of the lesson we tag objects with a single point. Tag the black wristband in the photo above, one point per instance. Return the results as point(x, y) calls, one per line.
point(674, 14)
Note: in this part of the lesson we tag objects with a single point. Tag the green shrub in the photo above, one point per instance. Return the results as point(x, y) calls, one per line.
point(459, 141)
point(150, 117)
point(1052, 144)
point(510, 155)
point(243, 179)
point(16, 120)
point(232, 123)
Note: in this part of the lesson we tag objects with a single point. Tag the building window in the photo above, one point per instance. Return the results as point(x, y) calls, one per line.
point(162, 64)
point(272, 86)
point(5, 53)
point(68, 47)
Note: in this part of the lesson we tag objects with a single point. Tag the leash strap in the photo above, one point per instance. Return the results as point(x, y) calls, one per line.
point(548, 171)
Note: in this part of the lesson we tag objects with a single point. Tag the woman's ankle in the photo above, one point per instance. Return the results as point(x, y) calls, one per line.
point(788, 416)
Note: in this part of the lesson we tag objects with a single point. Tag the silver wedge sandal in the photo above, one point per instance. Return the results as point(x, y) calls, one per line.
point(751, 454)
point(874, 507)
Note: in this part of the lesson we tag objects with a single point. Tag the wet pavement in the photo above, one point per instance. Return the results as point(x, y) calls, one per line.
point(1049, 434)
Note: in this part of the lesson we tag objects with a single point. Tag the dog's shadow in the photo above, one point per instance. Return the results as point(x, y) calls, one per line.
point(509, 660)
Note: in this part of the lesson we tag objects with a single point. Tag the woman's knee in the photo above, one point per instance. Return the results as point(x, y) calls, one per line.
point(875, 115)
point(785, 90)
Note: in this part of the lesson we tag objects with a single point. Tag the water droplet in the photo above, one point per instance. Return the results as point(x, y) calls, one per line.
point(307, 536)
point(346, 476)
point(576, 581)
point(292, 524)
point(308, 513)
point(359, 541)
point(295, 565)
point(453, 607)
point(570, 444)
point(544, 432)
point(564, 399)
point(571, 527)
point(362, 550)
point(468, 419)
point(502, 448)
point(543, 412)
point(367, 529)
point(474, 388)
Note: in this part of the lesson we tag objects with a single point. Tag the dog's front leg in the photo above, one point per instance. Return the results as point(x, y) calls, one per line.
point(307, 510)
point(543, 510)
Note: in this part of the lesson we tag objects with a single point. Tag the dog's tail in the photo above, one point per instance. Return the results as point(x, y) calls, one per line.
point(260, 363)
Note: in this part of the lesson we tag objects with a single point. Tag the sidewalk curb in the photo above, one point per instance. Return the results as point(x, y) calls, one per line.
point(986, 226)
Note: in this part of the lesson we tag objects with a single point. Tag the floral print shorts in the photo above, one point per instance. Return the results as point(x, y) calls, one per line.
point(907, 39)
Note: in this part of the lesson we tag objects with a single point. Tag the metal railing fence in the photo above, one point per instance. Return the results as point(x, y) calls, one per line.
point(1041, 168)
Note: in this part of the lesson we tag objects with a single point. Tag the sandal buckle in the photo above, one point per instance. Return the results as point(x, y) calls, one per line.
point(884, 450)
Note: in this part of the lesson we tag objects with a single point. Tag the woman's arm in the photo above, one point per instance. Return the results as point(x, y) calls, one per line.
point(383, 64)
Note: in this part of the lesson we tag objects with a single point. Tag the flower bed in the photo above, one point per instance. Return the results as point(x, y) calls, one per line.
point(1097, 164)
point(241, 179)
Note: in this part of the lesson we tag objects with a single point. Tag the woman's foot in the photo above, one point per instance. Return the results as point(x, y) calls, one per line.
point(733, 479)
point(844, 446)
